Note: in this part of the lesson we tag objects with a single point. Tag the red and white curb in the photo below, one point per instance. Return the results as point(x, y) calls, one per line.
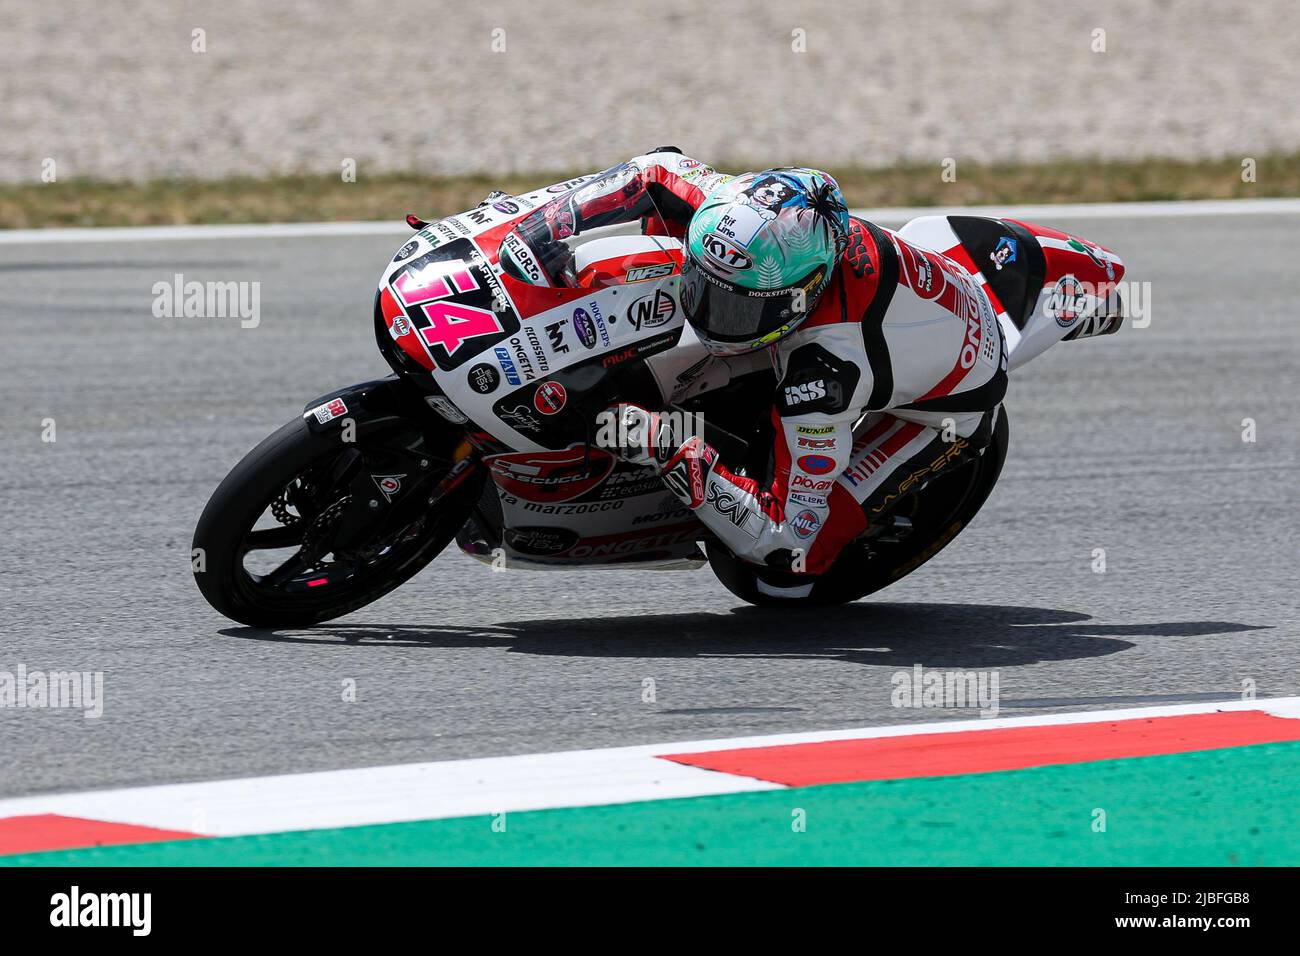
point(454, 788)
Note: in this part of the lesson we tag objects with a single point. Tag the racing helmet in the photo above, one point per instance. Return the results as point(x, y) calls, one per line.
point(760, 251)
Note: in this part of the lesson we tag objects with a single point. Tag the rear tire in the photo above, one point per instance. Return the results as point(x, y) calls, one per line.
point(247, 492)
point(940, 511)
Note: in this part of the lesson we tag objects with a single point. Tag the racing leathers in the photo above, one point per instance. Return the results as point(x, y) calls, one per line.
point(894, 377)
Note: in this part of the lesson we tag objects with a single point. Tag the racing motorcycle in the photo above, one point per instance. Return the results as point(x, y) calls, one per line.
point(487, 430)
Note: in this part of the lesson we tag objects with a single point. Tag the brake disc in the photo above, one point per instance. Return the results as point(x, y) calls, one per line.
point(293, 496)
point(315, 538)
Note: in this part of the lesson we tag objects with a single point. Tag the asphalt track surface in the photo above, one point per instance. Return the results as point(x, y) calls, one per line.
point(1131, 443)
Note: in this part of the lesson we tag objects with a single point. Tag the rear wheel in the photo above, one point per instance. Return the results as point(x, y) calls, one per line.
point(937, 514)
point(307, 527)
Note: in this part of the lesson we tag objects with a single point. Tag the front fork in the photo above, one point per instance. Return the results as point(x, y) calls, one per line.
point(394, 446)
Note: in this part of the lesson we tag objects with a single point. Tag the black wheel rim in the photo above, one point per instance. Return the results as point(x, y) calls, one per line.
point(312, 573)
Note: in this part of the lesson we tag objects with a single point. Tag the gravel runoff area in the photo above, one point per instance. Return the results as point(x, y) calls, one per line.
point(110, 90)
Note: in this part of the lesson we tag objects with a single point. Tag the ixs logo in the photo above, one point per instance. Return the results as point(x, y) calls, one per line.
point(807, 392)
point(74, 908)
point(179, 299)
point(725, 252)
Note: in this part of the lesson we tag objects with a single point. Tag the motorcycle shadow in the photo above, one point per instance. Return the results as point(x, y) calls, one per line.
point(873, 633)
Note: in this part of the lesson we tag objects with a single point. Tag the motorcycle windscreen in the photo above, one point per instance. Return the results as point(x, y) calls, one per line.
point(617, 197)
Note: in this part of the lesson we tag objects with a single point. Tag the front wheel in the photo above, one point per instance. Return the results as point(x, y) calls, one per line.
point(936, 514)
point(307, 527)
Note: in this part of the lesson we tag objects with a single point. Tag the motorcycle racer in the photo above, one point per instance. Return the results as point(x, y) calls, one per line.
point(890, 361)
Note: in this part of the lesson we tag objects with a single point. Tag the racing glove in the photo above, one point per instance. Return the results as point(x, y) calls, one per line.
point(555, 259)
point(648, 439)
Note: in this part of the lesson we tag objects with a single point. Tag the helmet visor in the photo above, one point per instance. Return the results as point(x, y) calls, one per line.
point(723, 315)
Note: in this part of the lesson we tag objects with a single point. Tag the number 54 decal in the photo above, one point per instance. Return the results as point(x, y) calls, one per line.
point(450, 304)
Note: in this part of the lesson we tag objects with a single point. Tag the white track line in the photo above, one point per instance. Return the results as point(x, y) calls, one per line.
point(270, 230)
point(454, 788)
point(1132, 210)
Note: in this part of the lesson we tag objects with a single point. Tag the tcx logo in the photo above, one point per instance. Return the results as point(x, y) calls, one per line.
point(808, 392)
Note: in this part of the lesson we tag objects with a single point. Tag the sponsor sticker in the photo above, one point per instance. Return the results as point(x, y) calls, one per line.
point(816, 464)
point(1067, 301)
point(817, 444)
point(484, 378)
point(444, 407)
point(741, 224)
point(329, 411)
point(805, 523)
point(549, 398)
point(1094, 255)
point(389, 485)
point(584, 328)
point(725, 252)
point(520, 419)
point(643, 273)
point(555, 332)
point(541, 541)
point(730, 507)
point(652, 311)
point(507, 366)
point(554, 476)
point(1003, 253)
point(565, 186)
point(601, 328)
point(800, 481)
point(523, 257)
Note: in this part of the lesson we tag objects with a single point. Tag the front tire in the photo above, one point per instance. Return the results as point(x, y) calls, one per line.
point(314, 585)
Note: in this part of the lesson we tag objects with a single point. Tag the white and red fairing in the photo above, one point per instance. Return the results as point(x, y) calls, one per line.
point(1066, 258)
point(497, 361)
